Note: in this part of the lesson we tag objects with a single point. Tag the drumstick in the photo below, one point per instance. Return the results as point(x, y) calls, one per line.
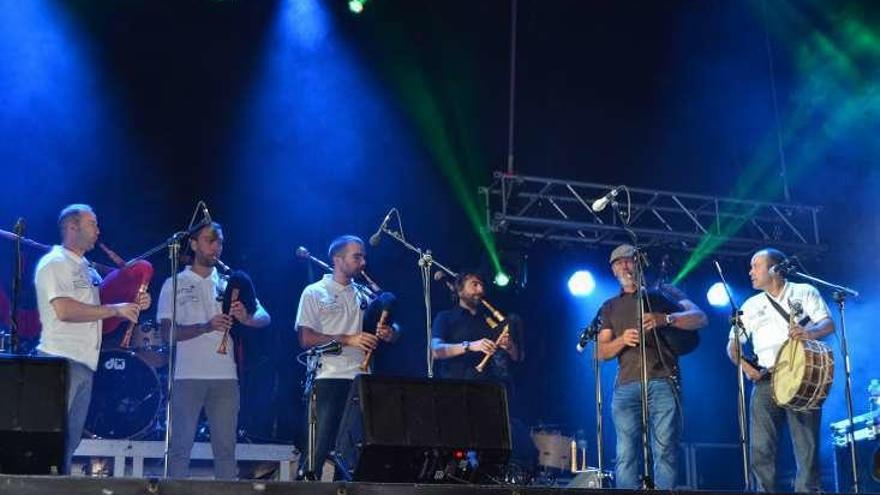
point(126, 339)
point(382, 322)
point(233, 297)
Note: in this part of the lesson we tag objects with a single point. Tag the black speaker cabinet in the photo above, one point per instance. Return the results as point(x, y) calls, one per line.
point(33, 414)
point(417, 430)
point(868, 453)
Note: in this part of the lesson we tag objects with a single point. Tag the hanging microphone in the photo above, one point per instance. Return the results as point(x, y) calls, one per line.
point(590, 332)
point(18, 229)
point(375, 238)
point(332, 347)
point(602, 202)
point(205, 212)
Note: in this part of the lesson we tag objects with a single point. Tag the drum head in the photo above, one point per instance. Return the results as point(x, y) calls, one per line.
point(554, 448)
point(788, 372)
point(126, 396)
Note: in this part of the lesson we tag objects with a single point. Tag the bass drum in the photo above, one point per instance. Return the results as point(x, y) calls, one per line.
point(802, 375)
point(126, 397)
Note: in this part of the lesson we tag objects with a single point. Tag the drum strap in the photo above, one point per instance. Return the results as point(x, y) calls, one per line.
point(779, 309)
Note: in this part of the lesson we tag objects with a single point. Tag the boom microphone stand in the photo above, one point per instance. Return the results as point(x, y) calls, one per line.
point(741, 383)
point(426, 260)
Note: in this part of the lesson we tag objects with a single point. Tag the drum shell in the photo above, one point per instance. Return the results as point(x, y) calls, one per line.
point(126, 397)
point(802, 375)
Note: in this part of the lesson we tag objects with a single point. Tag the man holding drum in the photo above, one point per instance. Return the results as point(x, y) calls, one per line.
point(766, 322)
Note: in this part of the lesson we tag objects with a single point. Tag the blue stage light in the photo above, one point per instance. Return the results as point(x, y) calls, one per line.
point(581, 283)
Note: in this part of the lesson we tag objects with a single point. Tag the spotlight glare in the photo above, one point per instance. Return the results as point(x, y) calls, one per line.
point(356, 6)
point(502, 279)
point(717, 296)
point(581, 283)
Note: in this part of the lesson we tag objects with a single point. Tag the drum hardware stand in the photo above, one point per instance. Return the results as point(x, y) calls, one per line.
point(173, 246)
point(426, 260)
point(18, 230)
point(839, 293)
point(736, 321)
point(641, 261)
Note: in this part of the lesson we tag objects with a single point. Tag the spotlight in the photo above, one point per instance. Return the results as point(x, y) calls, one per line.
point(356, 6)
point(502, 279)
point(717, 296)
point(581, 283)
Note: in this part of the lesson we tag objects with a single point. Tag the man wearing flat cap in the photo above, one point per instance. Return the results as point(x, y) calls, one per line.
point(667, 311)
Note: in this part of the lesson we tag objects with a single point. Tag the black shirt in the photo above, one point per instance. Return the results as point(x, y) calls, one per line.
point(620, 313)
point(454, 326)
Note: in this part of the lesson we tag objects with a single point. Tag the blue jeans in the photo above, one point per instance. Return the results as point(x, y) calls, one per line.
point(79, 396)
point(664, 421)
point(766, 420)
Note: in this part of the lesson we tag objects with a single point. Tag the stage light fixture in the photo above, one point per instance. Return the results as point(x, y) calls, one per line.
point(581, 283)
point(717, 296)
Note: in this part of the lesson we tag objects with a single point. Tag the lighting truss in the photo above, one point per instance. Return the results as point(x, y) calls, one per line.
point(559, 210)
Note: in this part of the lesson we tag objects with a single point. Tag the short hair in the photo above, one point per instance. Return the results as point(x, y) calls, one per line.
point(773, 255)
point(463, 276)
point(216, 227)
point(339, 244)
point(72, 213)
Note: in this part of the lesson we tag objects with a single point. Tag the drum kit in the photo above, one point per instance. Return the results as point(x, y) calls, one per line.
point(562, 459)
point(128, 389)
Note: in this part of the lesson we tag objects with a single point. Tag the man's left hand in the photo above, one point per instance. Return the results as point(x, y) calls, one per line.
point(143, 300)
point(385, 333)
point(798, 332)
point(239, 312)
point(654, 320)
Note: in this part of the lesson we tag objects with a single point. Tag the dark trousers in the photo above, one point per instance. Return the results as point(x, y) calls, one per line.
point(766, 421)
point(331, 394)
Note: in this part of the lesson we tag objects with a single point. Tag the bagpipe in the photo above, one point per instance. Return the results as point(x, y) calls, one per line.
point(378, 304)
point(238, 288)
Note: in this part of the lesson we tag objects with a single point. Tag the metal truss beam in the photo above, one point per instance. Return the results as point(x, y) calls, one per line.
point(558, 210)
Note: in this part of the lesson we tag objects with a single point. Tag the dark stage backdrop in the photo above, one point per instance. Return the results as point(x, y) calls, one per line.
point(297, 121)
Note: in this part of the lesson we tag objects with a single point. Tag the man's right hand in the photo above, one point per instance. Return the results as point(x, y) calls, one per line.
point(751, 372)
point(363, 341)
point(482, 345)
point(129, 311)
point(220, 322)
point(630, 337)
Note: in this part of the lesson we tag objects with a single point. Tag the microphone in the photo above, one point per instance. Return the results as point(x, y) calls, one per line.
point(602, 202)
point(302, 252)
point(375, 238)
point(205, 212)
point(441, 277)
point(783, 268)
point(590, 332)
point(18, 229)
point(333, 347)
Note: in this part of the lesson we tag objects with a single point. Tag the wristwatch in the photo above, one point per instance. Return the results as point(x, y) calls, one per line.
point(465, 345)
point(670, 320)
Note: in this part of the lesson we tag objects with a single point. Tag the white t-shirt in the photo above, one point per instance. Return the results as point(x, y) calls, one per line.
point(197, 302)
point(768, 329)
point(63, 273)
point(331, 308)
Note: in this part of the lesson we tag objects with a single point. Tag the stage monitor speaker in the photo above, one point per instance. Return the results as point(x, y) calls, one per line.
point(33, 414)
point(420, 431)
point(867, 451)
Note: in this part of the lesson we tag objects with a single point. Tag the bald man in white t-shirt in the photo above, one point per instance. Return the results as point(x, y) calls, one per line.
point(769, 330)
point(71, 312)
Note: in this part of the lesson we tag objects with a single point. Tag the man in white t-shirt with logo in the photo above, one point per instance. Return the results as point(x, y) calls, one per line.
point(769, 329)
point(331, 309)
point(71, 312)
point(202, 376)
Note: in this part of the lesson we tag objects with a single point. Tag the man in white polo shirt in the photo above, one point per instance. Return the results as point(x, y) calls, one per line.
point(769, 330)
point(202, 376)
point(331, 309)
point(71, 312)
